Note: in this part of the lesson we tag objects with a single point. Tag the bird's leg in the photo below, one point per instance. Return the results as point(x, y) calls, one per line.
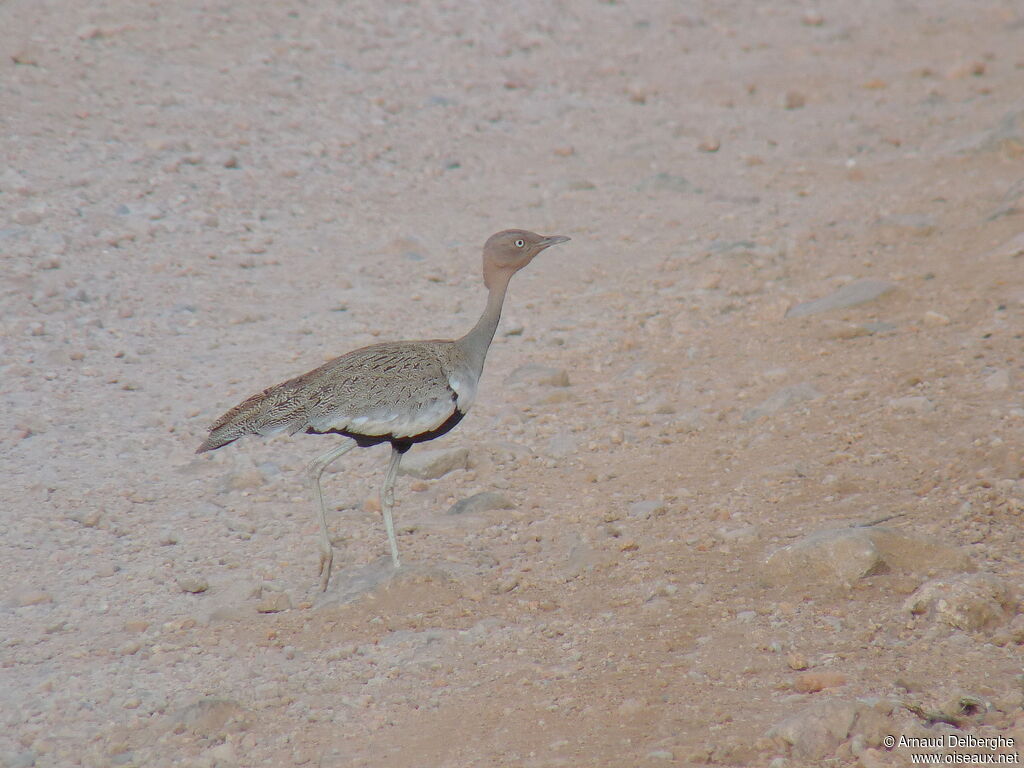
point(314, 470)
point(387, 500)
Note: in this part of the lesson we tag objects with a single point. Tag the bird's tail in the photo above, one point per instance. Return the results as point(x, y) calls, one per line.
point(271, 412)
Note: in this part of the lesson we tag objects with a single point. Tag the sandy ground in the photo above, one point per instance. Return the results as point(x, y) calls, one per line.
point(198, 200)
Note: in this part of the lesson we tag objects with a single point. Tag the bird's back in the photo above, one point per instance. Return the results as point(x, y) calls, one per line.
point(394, 390)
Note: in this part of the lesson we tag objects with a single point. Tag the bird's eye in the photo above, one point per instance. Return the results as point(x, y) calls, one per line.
point(520, 243)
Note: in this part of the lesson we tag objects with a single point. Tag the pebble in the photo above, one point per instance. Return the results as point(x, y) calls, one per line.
point(87, 518)
point(25, 759)
point(998, 381)
point(850, 295)
point(193, 585)
point(25, 598)
point(223, 754)
point(812, 18)
point(484, 501)
point(972, 602)
point(644, 510)
point(274, 602)
point(432, 464)
point(661, 754)
point(785, 398)
point(212, 717)
point(630, 707)
point(794, 100)
point(538, 375)
point(935, 318)
point(797, 661)
point(245, 480)
point(561, 445)
point(912, 404)
point(709, 145)
point(667, 182)
point(639, 92)
point(812, 682)
point(906, 224)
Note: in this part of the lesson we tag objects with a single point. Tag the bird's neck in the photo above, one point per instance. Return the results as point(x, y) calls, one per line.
point(474, 345)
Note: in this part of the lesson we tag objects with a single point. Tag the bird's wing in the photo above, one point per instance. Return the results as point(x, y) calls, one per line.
point(400, 389)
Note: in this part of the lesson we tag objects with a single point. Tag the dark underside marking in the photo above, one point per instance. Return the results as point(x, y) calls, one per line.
point(401, 444)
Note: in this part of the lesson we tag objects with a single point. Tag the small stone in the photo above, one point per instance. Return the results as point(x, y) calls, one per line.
point(89, 518)
point(540, 375)
point(274, 602)
point(485, 501)
point(193, 585)
point(168, 538)
point(812, 682)
point(906, 224)
point(631, 707)
point(28, 597)
point(564, 151)
point(785, 398)
point(797, 661)
point(812, 18)
point(645, 510)
point(912, 404)
point(26, 759)
point(709, 145)
point(935, 318)
point(850, 295)
point(794, 100)
point(661, 754)
point(224, 754)
point(245, 480)
point(432, 464)
point(667, 182)
point(998, 381)
point(211, 718)
point(88, 32)
point(639, 92)
point(27, 56)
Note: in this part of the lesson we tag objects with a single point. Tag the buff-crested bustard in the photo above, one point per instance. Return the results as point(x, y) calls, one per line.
point(402, 392)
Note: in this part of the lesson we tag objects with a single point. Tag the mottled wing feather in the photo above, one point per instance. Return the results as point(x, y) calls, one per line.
point(398, 389)
point(401, 389)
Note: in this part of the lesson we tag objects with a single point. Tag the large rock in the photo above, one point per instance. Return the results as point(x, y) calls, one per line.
point(431, 464)
point(975, 602)
point(814, 733)
point(841, 556)
point(850, 295)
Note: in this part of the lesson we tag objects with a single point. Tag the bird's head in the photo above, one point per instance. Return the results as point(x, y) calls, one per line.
point(506, 252)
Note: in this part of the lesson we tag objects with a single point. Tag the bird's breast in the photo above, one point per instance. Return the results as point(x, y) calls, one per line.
point(463, 384)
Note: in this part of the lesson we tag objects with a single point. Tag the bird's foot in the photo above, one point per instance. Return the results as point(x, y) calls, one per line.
point(326, 559)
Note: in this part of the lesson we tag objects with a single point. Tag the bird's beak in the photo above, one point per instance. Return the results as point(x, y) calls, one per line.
point(547, 242)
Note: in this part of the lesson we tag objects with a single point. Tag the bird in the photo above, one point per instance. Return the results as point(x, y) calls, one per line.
point(401, 392)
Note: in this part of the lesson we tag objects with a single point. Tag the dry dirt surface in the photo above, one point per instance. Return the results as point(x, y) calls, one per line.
point(753, 438)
